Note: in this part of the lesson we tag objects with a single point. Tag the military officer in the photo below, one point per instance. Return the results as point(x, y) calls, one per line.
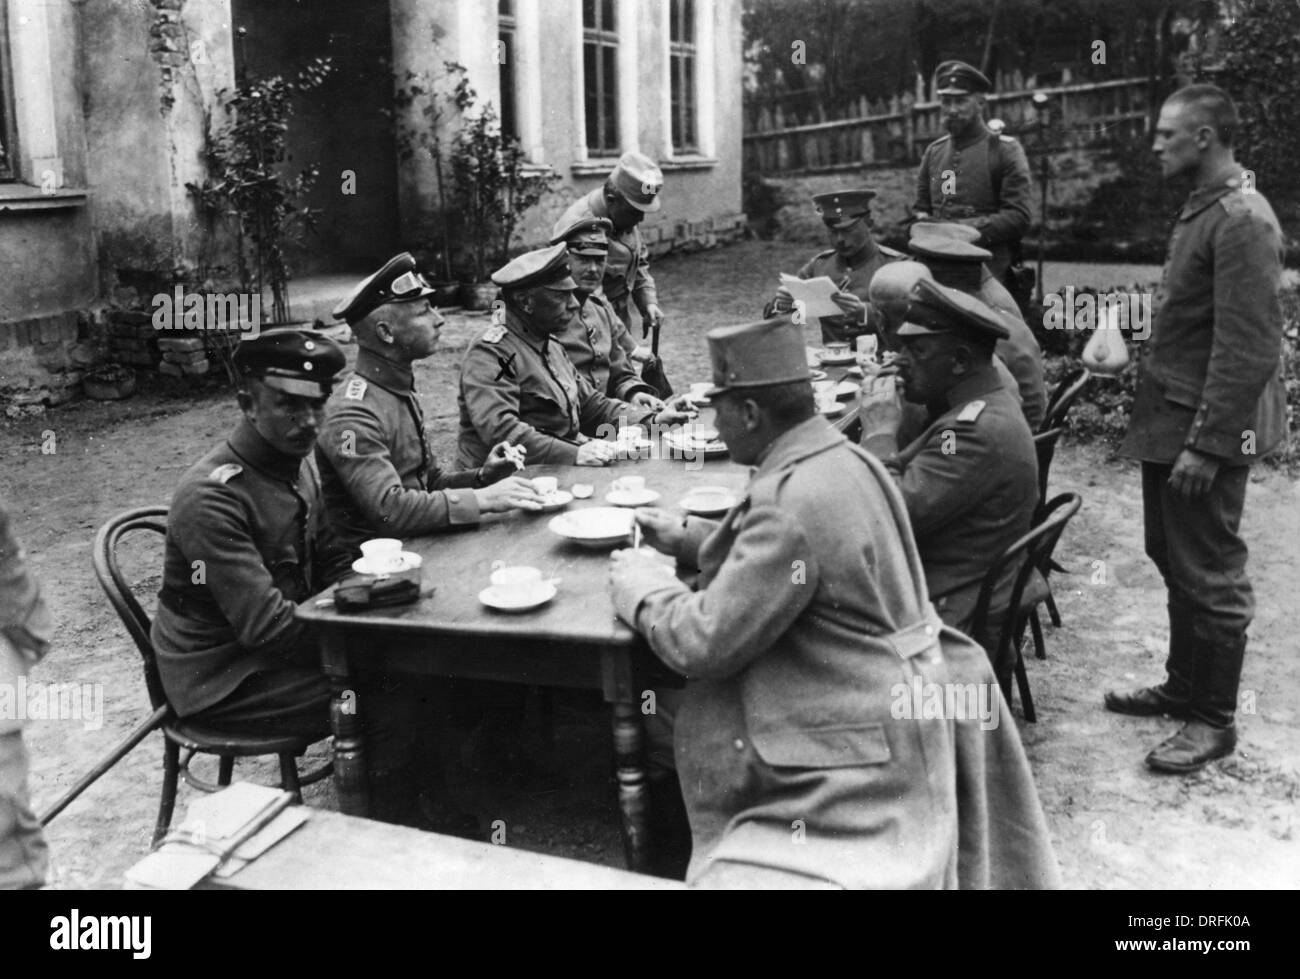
point(971, 174)
point(25, 632)
point(629, 193)
point(378, 475)
point(1210, 401)
point(962, 265)
point(518, 385)
point(850, 264)
point(797, 635)
point(970, 479)
point(593, 340)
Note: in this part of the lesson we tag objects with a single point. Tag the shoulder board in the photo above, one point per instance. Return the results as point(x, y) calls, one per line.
point(1005, 138)
point(941, 139)
point(970, 411)
point(493, 334)
point(224, 474)
point(890, 253)
point(356, 389)
point(1235, 202)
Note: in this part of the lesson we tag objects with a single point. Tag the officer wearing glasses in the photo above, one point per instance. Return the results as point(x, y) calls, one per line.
point(850, 264)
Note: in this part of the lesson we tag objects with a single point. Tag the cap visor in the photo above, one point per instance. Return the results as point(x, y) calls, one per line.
point(910, 329)
point(592, 250)
point(654, 205)
point(563, 285)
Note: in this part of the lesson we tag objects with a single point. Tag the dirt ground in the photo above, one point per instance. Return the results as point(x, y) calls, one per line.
point(1114, 824)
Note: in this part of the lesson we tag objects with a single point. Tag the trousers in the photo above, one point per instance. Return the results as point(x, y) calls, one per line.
point(24, 856)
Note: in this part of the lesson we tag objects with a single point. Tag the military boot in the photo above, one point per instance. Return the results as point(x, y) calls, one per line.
point(1173, 697)
point(1209, 732)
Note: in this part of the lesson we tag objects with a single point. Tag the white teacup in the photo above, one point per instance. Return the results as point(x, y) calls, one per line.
point(837, 349)
point(629, 484)
point(546, 485)
point(517, 580)
point(698, 390)
point(383, 554)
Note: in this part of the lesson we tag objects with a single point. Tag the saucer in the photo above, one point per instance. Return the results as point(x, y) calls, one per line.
point(556, 501)
point(625, 498)
point(510, 600)
point(828, 359)
point(700, 507)
point(410, 561)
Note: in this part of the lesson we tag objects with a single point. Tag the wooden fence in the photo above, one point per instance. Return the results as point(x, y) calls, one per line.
point(779, 139)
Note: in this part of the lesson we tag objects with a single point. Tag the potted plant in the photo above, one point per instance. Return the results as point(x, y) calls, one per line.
point(248, 184)
point(493, 189)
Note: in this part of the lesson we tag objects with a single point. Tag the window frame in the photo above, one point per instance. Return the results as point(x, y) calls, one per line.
point(9, 159)
point(683, 68)
point(508, 34)
point(602, 37)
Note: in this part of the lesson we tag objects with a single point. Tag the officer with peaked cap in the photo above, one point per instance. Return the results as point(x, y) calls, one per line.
point(379, 475)
point(518, 385)
point(598, 341)
point(971, 174)
point(241, 552)
point(850, 264)
point(787, 716)
point(630, 192)
point(970, 479)
point(960, 264)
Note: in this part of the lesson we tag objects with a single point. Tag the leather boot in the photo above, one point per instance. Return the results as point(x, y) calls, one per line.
point(1209, 732)
point(1173, 697)
point(670, 830)
point(1192, 748)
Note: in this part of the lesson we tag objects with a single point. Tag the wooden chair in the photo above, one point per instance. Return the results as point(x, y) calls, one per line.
point(1027, 555)
point(1063, 397)
point(178, 733)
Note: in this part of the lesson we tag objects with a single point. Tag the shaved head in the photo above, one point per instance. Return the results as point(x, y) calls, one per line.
point(1210, 106)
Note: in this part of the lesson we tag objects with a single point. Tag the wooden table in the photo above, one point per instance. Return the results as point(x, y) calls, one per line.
point(573, 641)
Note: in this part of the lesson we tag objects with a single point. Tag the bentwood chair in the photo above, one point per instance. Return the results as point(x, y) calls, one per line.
point(1027, 555)
point(178, 733)
point(1063, 397)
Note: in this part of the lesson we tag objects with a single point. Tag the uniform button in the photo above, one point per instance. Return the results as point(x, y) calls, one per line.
point(309, 345)
point(453, 497)
point(739, 744)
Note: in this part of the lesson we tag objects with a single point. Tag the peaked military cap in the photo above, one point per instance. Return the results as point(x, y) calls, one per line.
point(843, 207)
point(584, 236)
point(639, 179)
point(397, 282)
point(756, 354)
point(945, 229)
point(302, 362)
point(959, 78)
point(938, 309)
point(546, 267)
point(927, 247)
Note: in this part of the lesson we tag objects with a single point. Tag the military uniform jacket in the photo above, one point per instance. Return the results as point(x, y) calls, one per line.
point(627, 266)
point(1210, 377)
point(1020, 351)
point(239, 557)
point(591, 342)
point(25, 623)
point(378, 475)
point(970, 482)
point(795, 642)
point(830, 263)
point(990, 188)
point(521, 387)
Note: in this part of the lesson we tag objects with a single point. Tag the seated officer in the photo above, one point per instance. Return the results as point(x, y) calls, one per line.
point(518, 386)
point(970, 479)
point(242, 551)
point(960, 264)
point(797, 769)
point(594, 340)
point(378, 475)
point(850, 264)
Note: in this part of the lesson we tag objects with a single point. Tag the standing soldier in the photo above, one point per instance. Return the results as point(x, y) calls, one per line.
point(628, 195)
point(1210, 401)
point(854, 258)
point(972, 174)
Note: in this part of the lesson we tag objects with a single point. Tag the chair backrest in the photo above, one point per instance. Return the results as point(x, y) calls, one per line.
point(1063, 398)
point(118, 588)
point(1045, 449)
point(1029, 552)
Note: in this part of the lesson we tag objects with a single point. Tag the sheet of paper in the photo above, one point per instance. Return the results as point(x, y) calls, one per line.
point(814, 294)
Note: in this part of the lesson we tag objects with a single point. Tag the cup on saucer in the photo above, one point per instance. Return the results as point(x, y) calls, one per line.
point(546, 485)
point(517, 582)
point(383, 555)
point(631, 485)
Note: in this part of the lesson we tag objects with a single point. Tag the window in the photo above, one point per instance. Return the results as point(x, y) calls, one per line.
point(507, 52)
point(7, 130)
point(600, 76)
point(681, 64)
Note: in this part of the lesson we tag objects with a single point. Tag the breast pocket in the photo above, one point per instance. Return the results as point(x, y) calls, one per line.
point(830, 746)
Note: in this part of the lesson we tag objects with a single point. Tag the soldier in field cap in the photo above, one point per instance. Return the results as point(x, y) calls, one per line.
point(630, 192)
point(972, 174)
point(970, 478)
point(809, 607)
point(854, 258)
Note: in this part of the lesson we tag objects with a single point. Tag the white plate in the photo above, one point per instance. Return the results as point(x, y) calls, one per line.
point(708, 450)
point(832, 411)
point(847, 389)
point(625, 498)
point(701, 508)
point(505, 600)
point(410, 561)
point(828, 359)
point(558, 501)
point(597, 527)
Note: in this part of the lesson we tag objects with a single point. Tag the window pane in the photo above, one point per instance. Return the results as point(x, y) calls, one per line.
point(688, 20)
point(591, 100)
point(588, 13)
point(610, 134)
point(506, 8)
point(674, 20)
point(607, 16)
point(507, 79)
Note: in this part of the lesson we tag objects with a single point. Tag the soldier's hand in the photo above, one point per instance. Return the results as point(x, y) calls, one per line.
point(597, 452)
point(880, 410)
point(511, 493)
point(675, 413)
point(783, 303)
point(1193, 474)
point(643, 399)
point(504, 460)
point(663, 529)
point(654, 316)
point(850, 305)
point(642, 354)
